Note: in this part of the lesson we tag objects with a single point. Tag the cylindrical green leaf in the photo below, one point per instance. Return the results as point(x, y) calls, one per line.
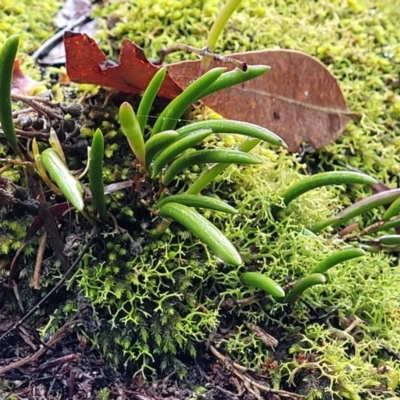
point(176, 148)
point(261, 281)
point(209, 175)
point(393, 210)
point(302, 285)
point(96, 182)
point(197, 201)
point(234, 77)
point(208, 233)
point(367, 204)
point(337, 258)
point(324, 179)
point(170, 115)
point(7, 58)
point(219, 24)
point(148, 97)
point(389, 240)
point(232, 126)
point(158, 143)
point(60, 174)
point(131, 129)
point(207, 156)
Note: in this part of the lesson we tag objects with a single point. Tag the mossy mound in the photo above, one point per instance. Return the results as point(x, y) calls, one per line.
point(357, 40)
point(156, 301)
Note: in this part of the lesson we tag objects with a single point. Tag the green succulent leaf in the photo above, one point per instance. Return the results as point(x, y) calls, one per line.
point(263, 282)
point(170, 115)
point(389, 240)
point(207, 232)
point(367, 204)
point(393, 210)
point(96, 182)
point(7, 58)
point(232, 126)
point(324, 179)
point(193, 200)
point(207, 156)
point(158, 143)
point(302, 285)
point(131, 129)
point(234, 77)
point(176, 148)
point(210, 174)
point(65, 181)
point(148, 97)
point(337, 258)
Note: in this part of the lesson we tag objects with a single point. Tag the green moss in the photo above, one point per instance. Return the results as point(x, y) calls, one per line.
point(157, 299)
point(31, 19)
point(358, 40)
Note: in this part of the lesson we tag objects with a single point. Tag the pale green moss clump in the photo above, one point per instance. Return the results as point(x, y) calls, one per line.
point(360, 43)
point(156, 300)
point(32, 21)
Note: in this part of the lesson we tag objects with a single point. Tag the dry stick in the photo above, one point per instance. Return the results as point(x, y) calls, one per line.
point(25, 336)
point(38, 264)
point(17, 296)
point(30, 134)
point(204, 52)
point(231, 302)
point(42, 106)
point(56, 361)
point(60, 334)
point(235, 368)
point(363, 232)
point(264, 336)
point(52, 291)
point(16, 162)
point(229, 393)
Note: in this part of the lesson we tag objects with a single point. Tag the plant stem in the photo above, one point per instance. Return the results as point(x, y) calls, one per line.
point(219, 24)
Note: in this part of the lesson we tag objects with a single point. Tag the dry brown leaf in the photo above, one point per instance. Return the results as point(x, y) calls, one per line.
point(299, 99)
point(86, 63)
point(22, 83)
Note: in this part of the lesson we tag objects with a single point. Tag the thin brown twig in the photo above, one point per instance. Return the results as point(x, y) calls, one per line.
point(264, 336)
point(56, 361)
point(60, 334)
point(39, 260)
point(11, 161)
point(204, 52)
point(52, 291)
point(29, 134)
point(239, 371)
point(16, 294)
point(40, 104)
point(32, 134)
point(231, 302)
point(231, 395)
point(24, 334)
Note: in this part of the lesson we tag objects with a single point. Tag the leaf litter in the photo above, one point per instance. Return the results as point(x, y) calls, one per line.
point(298, 99)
